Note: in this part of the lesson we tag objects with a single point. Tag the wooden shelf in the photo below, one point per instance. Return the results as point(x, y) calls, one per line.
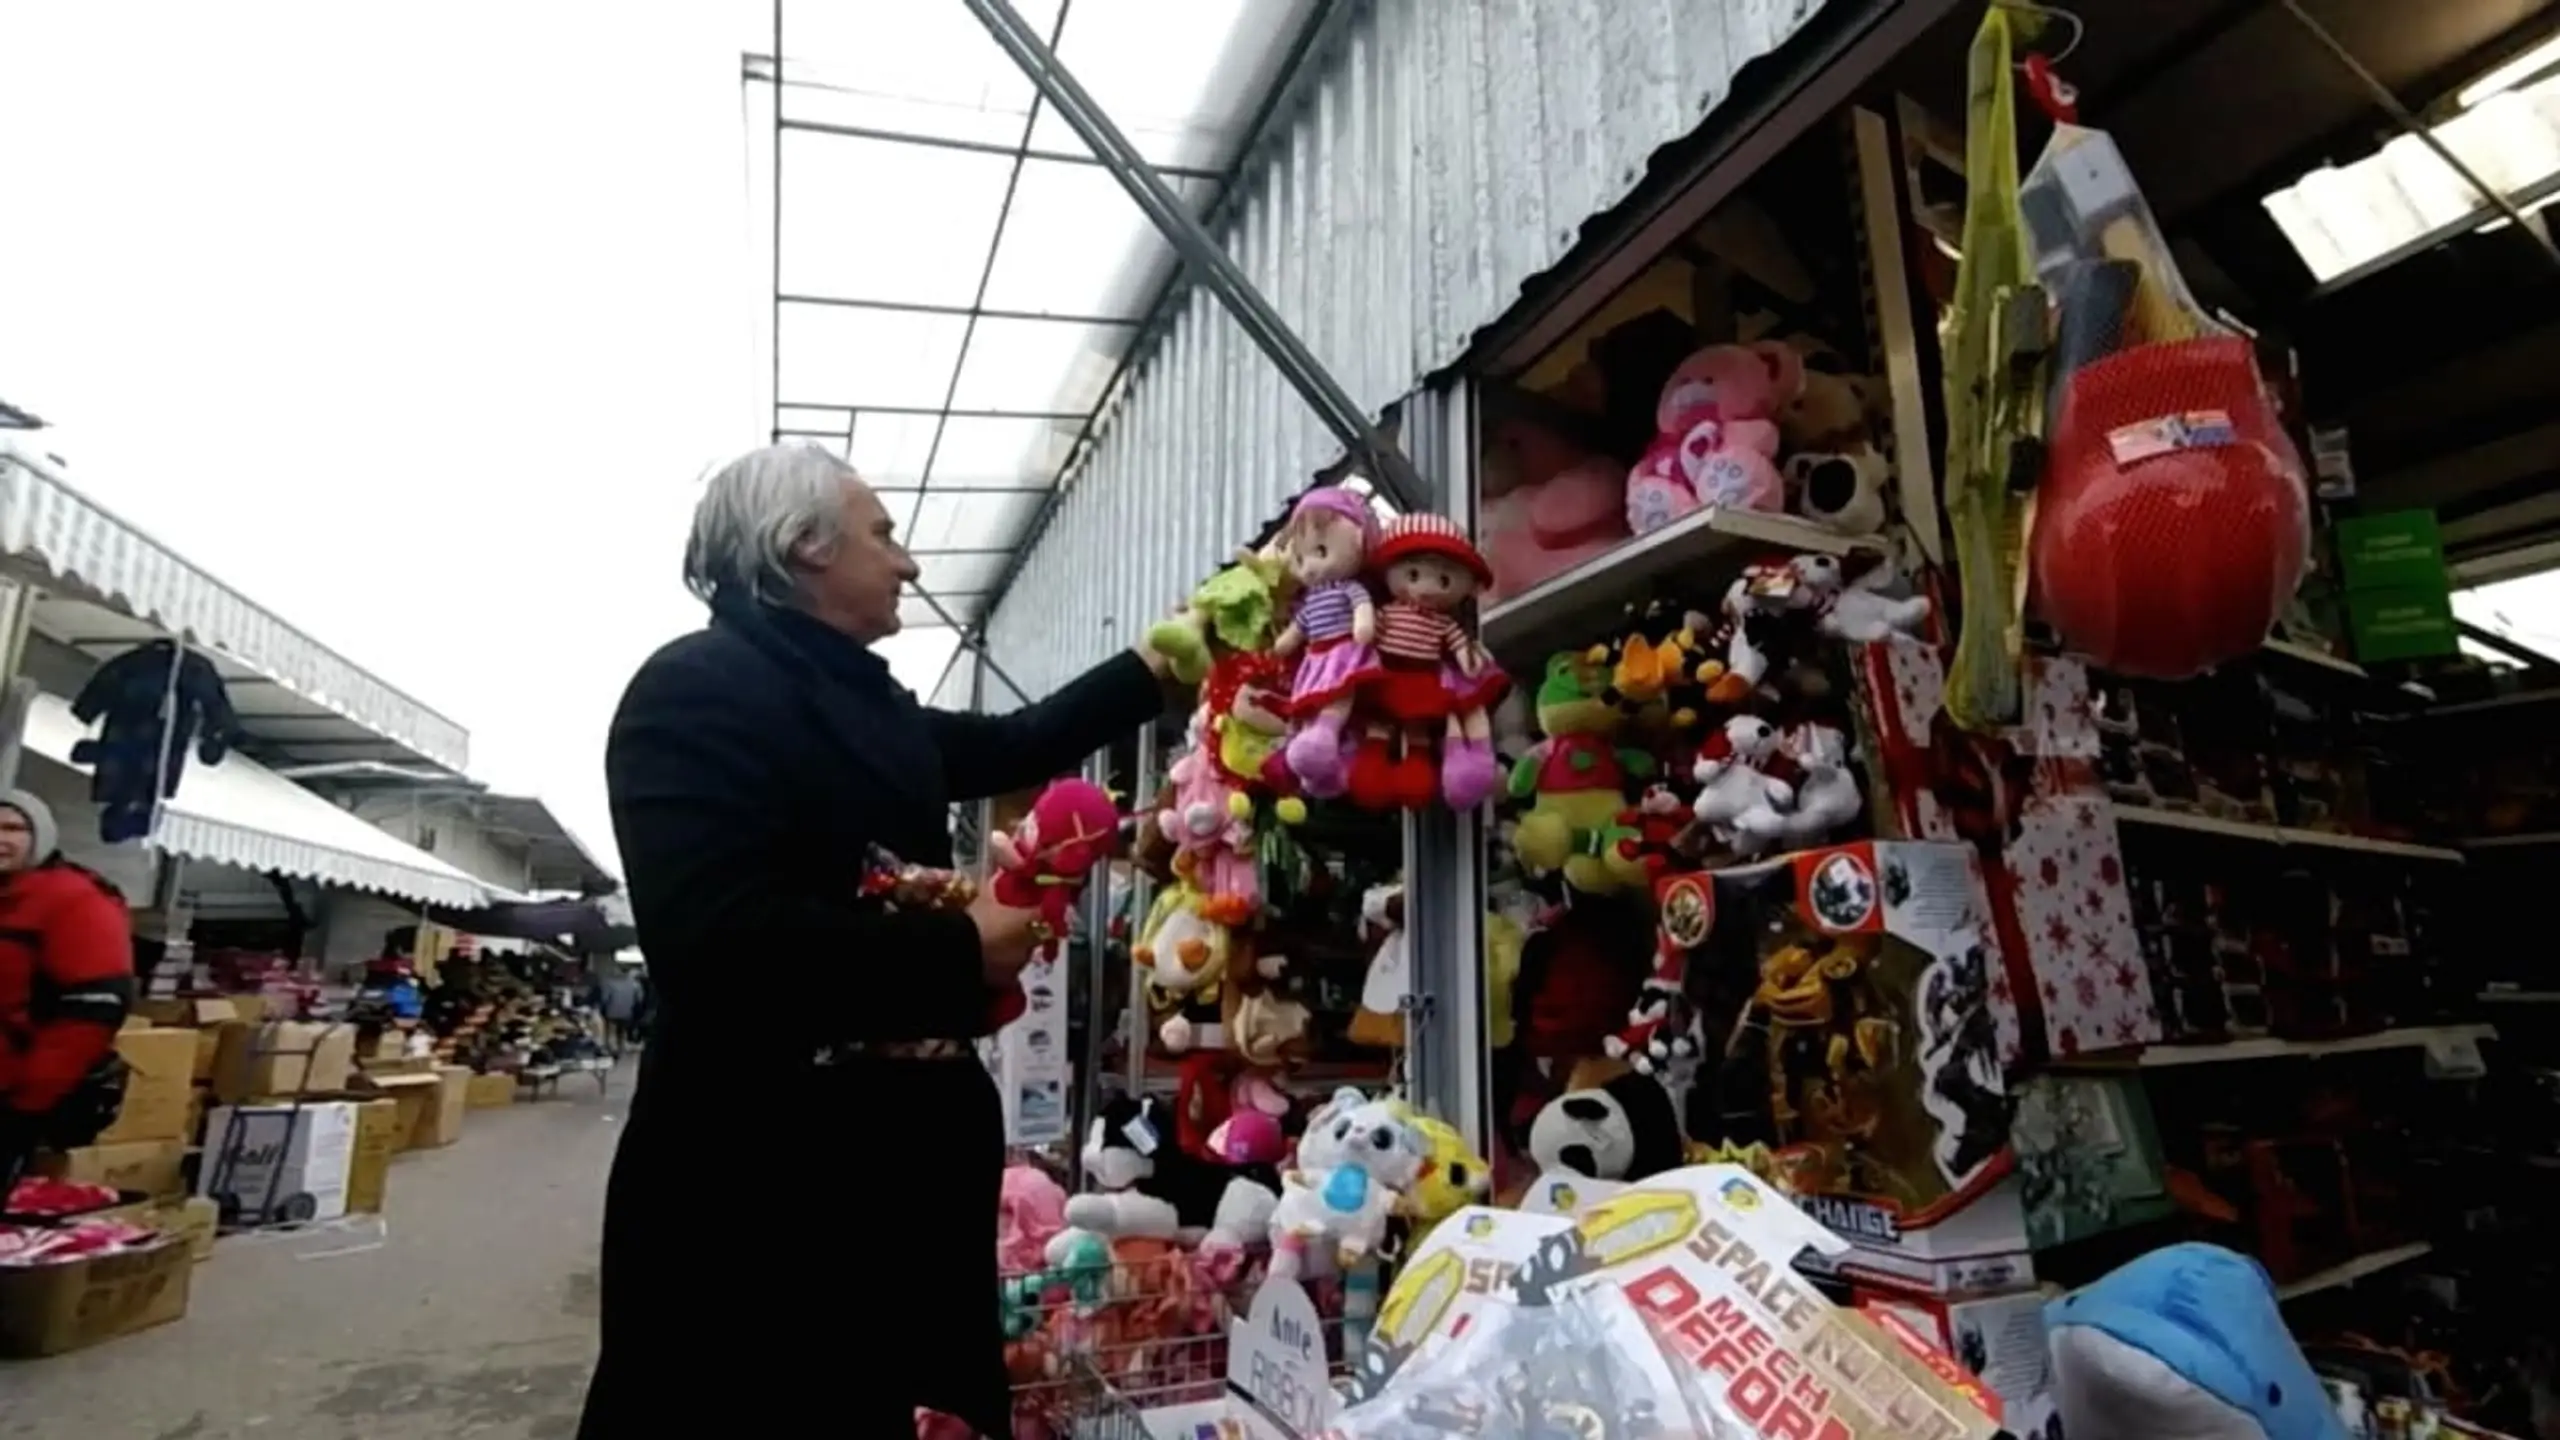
point(2514, 842)
point(1702, 550)
point(2279, 834)
point(2311, 656)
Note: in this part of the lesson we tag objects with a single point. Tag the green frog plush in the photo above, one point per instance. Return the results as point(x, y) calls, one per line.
point(1235, 607)
point(1576, 780)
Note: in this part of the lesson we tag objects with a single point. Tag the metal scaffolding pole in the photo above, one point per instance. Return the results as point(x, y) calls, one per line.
point(1381, 461)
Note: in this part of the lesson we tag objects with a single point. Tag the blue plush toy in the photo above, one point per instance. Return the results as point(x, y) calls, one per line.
point(2185, 1342)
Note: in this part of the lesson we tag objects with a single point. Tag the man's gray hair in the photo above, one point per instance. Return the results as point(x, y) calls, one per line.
point(754, 512)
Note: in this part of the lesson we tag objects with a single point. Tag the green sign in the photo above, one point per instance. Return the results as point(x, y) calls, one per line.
point(2400, 550)
point(2409, 622)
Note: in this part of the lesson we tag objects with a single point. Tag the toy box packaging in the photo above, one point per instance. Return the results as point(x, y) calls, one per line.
point(1999, 1338)
point(1703, 1254)
point(1848, 989)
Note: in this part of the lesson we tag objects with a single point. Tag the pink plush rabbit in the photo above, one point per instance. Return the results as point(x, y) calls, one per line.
point(1030, 1210)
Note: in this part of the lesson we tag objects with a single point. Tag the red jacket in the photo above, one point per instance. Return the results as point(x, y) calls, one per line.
point(66, 980)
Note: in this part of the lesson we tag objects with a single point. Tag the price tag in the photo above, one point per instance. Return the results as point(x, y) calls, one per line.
point(2454, 1056)
point(1276, 1371)
point(1141, 1135)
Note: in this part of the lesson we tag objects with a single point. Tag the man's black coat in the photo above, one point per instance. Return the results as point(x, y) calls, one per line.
point(791, 1232)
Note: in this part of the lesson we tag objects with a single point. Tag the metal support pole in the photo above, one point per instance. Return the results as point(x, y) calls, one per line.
point(1385, 465)
point(975, 642)
point(1085, 1073)
point(1447, 1066)
point(1141, 895)
point(2411, 124)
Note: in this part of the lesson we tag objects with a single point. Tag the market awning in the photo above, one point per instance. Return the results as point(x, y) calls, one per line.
point(241, 813)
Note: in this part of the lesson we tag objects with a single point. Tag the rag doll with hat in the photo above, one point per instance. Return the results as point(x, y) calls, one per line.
point(1432, 675)
point(1333, 627)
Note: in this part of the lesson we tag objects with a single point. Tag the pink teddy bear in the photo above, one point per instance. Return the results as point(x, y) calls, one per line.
point(1716, 435)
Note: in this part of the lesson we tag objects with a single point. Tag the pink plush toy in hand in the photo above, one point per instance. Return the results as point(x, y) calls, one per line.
point(1716, 435)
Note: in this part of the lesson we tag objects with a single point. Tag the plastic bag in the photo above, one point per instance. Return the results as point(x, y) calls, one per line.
point(1585, 1366)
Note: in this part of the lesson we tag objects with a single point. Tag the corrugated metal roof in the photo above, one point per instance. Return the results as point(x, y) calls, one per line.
point(1449, 153)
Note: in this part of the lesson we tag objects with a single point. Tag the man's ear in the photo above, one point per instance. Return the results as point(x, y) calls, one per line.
point(811, 551)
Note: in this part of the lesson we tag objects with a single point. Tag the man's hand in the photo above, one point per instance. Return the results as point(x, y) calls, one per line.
point(1005, 938)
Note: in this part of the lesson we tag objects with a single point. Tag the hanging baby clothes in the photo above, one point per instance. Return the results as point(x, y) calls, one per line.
point(134, 696)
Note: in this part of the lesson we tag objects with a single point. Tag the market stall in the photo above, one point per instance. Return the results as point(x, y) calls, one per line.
point(2016, 883)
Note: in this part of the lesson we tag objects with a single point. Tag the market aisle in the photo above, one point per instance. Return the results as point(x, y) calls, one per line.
point(477, 1316)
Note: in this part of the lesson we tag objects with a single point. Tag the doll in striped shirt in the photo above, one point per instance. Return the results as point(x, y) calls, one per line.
point(1433, 680)
point(1332, 632)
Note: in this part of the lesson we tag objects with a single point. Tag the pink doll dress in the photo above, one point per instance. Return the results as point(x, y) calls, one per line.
point(1335, 664)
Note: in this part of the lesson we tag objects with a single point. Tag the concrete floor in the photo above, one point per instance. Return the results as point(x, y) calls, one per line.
point(475, 1316)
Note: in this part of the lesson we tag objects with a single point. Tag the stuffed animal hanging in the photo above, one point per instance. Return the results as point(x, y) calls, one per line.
point(1236, 608)
point(1181, 959)
point(1380, 1021)
point(1211, 826)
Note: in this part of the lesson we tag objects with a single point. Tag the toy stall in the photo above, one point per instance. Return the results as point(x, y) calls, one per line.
point(1939, 762)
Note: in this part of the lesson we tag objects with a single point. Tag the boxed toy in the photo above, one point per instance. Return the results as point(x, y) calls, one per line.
point(1703, 1253)
point(1850, 991)
point(2000, 1338)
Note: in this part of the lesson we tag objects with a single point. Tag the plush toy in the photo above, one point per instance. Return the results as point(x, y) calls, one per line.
point(2187, 1340)
point(1030, 1210)
point(1623, 1129)
point(1825, 799)
point(1505, 938)
point(1840, 490)
point(1073, 827)
point(1432, 675)
point(1833, 409)
point(1380, 1019)
point(1235, 607)
point(1355, 1164)
point(1145, 1184)
point(1245, 695)
point(1575, 982)
point(1661, 1034)
point(1578, 777)
point(1756, 606)
point(1453, 1175)
point(1716, 436)
point(1211, 826)
point(1733, 776)
point(1181, 957)
point(1559, 507)
point(1857, 611)
point(1332, 631)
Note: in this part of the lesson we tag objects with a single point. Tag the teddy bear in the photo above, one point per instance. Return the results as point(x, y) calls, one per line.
point(1716, 435)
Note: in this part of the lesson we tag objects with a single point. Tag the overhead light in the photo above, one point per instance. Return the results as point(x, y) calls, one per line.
point(2521, 70)
point(2348, 221)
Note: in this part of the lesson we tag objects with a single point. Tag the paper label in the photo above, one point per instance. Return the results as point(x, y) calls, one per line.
point(1276, 1365)
point(1141, 1135)
point(2190, 430)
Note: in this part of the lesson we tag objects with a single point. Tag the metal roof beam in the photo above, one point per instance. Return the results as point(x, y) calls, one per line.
point(976, 147)
point(957, 312)
point(1386, 465)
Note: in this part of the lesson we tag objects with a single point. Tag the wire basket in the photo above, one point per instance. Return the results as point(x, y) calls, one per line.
point(1092, 1353)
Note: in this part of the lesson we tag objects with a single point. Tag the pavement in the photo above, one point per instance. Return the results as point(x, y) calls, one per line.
point(470, 1310)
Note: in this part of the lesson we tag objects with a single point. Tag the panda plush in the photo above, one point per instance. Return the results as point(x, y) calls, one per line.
point(1146, 1184)
point(1624, 1129)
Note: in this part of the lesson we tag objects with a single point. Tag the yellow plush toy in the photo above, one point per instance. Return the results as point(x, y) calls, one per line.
point(1453, 1176)
point(1504, 941)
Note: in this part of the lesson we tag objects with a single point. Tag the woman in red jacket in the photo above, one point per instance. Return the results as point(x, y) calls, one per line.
point(66, 980)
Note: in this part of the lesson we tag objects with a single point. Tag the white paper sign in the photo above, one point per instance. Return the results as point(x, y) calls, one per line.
point(1276, 1374)
point(1031, 1060)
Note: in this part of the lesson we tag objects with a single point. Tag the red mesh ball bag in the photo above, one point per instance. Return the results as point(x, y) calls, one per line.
point(2171, 525)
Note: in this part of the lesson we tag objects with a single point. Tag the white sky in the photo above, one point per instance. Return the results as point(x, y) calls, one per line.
point(415, 323)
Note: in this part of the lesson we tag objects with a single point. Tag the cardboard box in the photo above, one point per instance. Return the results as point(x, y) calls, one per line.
point(418, 1097)
point(286, 1057)
point(378, 1136)
point(399, 1065)
point(278, 1164)
point(148, 1167)
point(56, 1309)
point(444, 1121)
point(488, 1092)
point(195, 1220)
point(161, 1065)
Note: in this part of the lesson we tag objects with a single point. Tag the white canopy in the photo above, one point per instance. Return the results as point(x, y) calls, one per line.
point(241, 813)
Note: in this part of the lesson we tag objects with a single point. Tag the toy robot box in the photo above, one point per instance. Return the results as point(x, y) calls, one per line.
point(1843, 999)
point(1703, 1254)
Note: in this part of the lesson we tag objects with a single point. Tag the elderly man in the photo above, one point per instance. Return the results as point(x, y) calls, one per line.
point(801, 1220)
